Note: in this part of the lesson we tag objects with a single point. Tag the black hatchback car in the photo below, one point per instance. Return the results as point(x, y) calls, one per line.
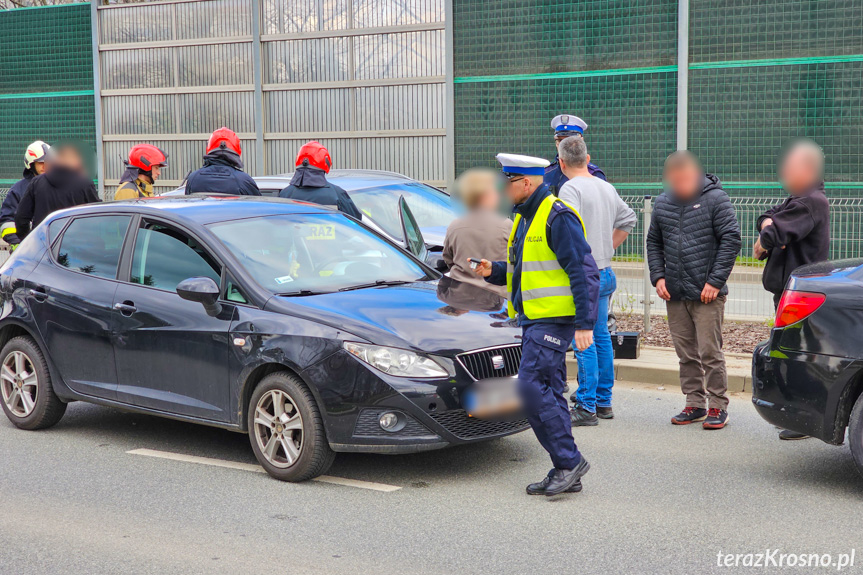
point(287, 321)
point(808, 377)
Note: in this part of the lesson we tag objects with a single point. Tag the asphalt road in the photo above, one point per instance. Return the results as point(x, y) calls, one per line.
point(658, 499)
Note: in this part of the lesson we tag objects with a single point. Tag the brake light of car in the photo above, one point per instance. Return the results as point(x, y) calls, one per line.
point(796, 306)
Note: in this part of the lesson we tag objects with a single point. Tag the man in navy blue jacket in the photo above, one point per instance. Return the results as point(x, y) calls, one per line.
point(223, 169)
point(553, 286)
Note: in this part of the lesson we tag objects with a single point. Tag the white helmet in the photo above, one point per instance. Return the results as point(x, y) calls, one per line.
point(36, 152)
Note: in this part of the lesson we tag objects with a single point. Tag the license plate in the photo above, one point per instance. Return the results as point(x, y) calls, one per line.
point(491, 398)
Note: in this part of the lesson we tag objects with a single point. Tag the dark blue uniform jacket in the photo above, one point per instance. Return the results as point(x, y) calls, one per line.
point(555, 177)
point(311, 185)
point(222, 174)
point(566, 239)
point(13, 197)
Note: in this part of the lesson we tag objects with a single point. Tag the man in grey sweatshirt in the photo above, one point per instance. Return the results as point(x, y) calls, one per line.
point(608, 221)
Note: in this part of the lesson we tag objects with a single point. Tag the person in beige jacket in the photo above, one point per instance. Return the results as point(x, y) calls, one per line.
point(482, 233)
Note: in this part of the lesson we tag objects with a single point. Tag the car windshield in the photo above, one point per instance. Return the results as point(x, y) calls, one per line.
point(302, 254)
point(431, 207)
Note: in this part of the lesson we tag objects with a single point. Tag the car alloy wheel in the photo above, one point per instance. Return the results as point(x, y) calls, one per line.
point(19, 383)
point(278, 428)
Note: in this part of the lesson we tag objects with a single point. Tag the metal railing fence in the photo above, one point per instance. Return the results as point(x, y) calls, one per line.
point(747, 299)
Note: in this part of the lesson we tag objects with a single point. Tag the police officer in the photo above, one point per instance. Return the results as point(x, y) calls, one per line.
point(223, 168)
point(553, 287)
point(143, 168)
point(34, 164)
point(564, 126)
point(310, 184)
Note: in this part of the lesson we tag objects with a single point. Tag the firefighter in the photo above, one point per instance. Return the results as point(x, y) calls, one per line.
point(310, 184)
point(143, 168)
point(553, 287)
point(564, 126)
point(34, 164)
point(223, 168)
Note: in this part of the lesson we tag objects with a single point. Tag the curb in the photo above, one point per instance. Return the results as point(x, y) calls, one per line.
point(640, 371)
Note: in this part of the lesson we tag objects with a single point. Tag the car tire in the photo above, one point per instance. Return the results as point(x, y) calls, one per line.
point(855, 433)
point(26, 391)
point(286, 429)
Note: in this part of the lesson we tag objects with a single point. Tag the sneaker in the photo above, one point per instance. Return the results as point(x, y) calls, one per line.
point(580, 417)
point(689, 415)
point(716, 419)
point(789, 435)
point(604, 412)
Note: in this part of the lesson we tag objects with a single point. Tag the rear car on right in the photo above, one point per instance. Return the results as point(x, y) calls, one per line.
point(808, 377)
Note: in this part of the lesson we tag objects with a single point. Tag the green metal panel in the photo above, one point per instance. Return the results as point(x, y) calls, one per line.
point(632, 120)
point(531, 36)
point(46, 84)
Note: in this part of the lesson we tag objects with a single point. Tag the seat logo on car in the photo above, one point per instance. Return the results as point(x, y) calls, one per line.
point(497, 362)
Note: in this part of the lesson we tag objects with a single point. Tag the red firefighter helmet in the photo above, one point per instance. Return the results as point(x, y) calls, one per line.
point(316, 155)
point(145, 156)
point(224, 138)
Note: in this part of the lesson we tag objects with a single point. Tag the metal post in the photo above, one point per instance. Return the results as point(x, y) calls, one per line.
point(449, 100)
point(259, 88)
point(97, 97)
point(648, 287)
point(682, 73)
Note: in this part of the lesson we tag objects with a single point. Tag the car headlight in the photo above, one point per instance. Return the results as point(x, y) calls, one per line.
point(394, 361)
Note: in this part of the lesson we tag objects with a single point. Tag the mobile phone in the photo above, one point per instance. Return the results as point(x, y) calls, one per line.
point(474, 262)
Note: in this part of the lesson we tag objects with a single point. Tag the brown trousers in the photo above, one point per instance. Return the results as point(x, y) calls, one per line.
point(696, 330)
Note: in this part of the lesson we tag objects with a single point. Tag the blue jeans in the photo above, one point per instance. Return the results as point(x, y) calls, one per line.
point(596, 363)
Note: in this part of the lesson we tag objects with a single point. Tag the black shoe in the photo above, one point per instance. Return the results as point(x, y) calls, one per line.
point(689, 415)
point(580, 417)
point(573, 399)
point(539, 488)
point(716, 419)
point(789, 435)
point(604, 412)
point(564, 479)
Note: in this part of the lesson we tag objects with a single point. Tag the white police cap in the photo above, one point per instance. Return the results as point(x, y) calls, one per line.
point(523, 165)
point(567, 123)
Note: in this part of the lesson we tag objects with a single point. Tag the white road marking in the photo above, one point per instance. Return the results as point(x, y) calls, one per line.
point(258, 469)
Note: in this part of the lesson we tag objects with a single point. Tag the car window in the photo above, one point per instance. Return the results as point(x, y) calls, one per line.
point(430, 207)
point(55, 227)
point(234, 292)
point(93, 245)
point(293, 253)
point(164, 257)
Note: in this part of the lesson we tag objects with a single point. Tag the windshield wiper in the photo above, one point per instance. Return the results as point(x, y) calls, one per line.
point(301, 292)
point(378, 283)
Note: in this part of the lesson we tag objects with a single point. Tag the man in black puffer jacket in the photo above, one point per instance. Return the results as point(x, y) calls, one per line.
point(692, 243)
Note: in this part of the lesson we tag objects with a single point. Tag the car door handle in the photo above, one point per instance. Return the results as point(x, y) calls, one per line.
point(39, 294)
point(126, 308)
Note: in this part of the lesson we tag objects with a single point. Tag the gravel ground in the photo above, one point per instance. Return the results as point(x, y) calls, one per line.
point(738, 336)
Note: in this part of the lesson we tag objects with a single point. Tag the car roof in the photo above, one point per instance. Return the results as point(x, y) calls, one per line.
point(349, 180)
point(204, 208)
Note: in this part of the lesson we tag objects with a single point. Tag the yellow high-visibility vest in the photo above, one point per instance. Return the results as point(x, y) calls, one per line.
point(545, 287)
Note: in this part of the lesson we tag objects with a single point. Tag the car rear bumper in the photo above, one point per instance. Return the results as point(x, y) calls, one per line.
point(801, 391)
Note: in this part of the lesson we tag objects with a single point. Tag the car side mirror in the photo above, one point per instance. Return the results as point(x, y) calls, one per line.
point(202, 290)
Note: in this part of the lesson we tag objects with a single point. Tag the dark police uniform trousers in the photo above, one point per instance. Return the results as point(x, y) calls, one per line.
point(542, 379)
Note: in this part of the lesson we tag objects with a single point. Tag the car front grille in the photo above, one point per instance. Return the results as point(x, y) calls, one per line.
point(480, 364)
point(460, 424)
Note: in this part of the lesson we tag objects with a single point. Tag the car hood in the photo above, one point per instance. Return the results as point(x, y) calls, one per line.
point(445, 317)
